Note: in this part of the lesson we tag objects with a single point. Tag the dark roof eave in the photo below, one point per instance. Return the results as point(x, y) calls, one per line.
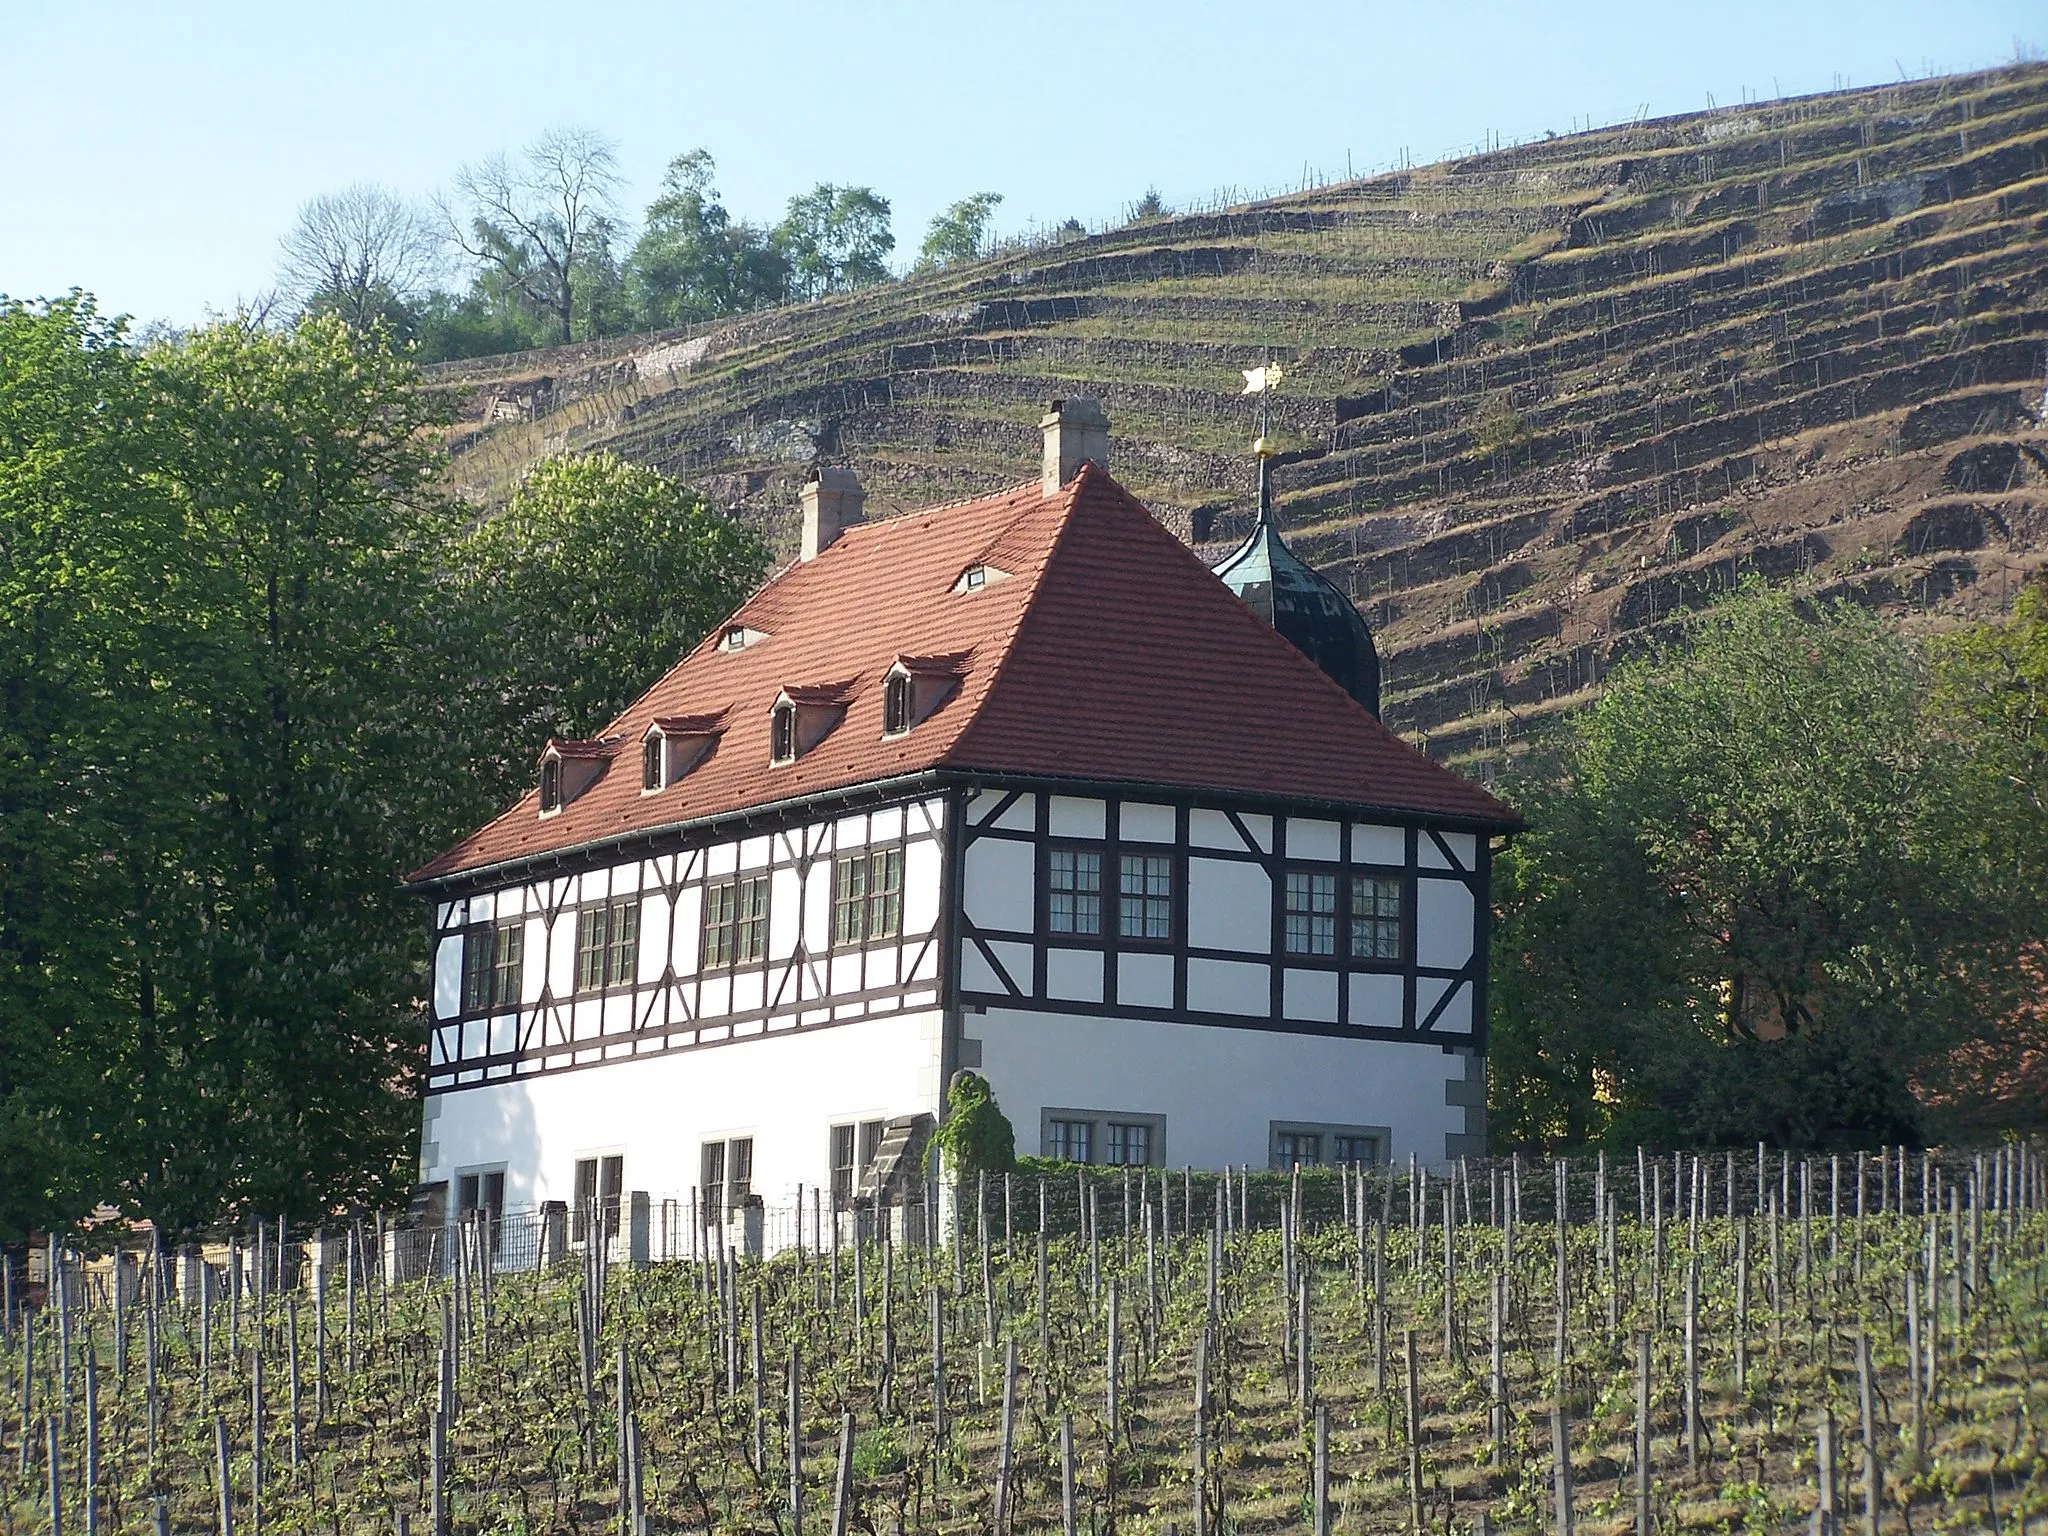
point(1355, 810)
point(952, 775)
point(498, 870)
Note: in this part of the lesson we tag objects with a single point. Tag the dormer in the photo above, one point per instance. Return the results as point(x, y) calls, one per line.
point(914, 687)
point(674, 745)
point(802, 717)
point(568, 768)
point(738, 637)
point(979, 575)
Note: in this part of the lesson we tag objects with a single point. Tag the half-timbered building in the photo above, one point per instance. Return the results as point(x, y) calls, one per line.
point(1016, 785)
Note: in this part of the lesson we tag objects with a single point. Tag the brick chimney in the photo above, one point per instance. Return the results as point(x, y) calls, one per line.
point(832, 501)
point(1074, 430)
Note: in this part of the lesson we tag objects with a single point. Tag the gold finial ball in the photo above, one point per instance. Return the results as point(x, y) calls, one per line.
point(1262, 448)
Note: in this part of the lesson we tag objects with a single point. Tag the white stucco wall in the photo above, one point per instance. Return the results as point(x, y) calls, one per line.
point(1219, 1089)
point(656, 1111)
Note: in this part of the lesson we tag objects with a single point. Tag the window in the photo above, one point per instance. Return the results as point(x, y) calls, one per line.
point(735, 922)
point(550, 785)
point(1355, 1151)
point(1112, 1137)
point(1311, 913)
point(482, 1194)
point(650, 761)
point(728, 1169)
point(974, 578)
point(867, 897)
point(1292, 1149)
point(607, 946)
point(734, 638)
point(1069, 1140)
point(598, 1183)
point(896, 705)
point(782, 734)
point(1145, 887)
point(1310, 1145)
point(842, 1166)
point(711, 1185)
point(739, 1170)
point(853, 1149)
point(1074, 888)
point(1376, 917)
point(491, 959)
point(483, 1190)
point(1128, 1146)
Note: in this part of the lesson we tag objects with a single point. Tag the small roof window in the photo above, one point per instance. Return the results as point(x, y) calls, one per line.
point(979, 575)
point(568, 768)
point(674, 745)
point(737, 637)
point(916, 686)
point(801, 717)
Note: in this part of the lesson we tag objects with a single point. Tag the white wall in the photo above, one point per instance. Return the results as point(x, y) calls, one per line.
point(1219, 1089)
point(783, 1090)
point(801, 979)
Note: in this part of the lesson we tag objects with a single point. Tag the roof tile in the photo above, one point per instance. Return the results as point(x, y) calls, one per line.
point(1111, 655)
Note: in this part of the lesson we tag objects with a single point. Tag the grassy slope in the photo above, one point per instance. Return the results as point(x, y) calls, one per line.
point(1539, 398)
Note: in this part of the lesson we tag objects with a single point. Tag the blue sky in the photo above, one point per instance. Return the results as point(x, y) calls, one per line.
point(153, 153)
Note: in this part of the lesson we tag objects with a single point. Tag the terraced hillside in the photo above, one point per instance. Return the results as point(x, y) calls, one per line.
point(1538, 399)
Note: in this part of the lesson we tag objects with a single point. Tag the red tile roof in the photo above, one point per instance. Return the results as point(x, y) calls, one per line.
point(1111, 655)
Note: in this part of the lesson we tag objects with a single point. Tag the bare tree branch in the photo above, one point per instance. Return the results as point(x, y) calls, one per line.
point(534, 221)
point(353, 252)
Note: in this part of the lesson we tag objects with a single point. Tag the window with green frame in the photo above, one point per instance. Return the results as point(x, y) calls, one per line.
point(491, 965)
point(867, 897)
point(607, 945)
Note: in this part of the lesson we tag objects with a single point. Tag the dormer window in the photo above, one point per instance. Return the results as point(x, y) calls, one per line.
point(804, 716)
point(675, 744)
point(737, 637)
point(568, 768)
point(979, 575)
point(914, 687)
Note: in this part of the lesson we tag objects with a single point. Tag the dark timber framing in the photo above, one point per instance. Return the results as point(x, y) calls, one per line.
point(1419, 835)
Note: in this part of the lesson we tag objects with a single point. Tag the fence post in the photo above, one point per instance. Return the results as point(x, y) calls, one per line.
point(637, 1213)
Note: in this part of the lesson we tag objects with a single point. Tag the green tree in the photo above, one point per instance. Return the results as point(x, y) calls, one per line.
point(960, 233)
point(1749, 908)
point(835, 239)
point(976, 1136)
point(276, 1072)
point(693, 261)
point(88, 558)
point(595, 579)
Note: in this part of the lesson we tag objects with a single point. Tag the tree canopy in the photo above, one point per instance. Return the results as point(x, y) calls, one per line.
point(253, 667)
point(1755, 901)
point(960, 233)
